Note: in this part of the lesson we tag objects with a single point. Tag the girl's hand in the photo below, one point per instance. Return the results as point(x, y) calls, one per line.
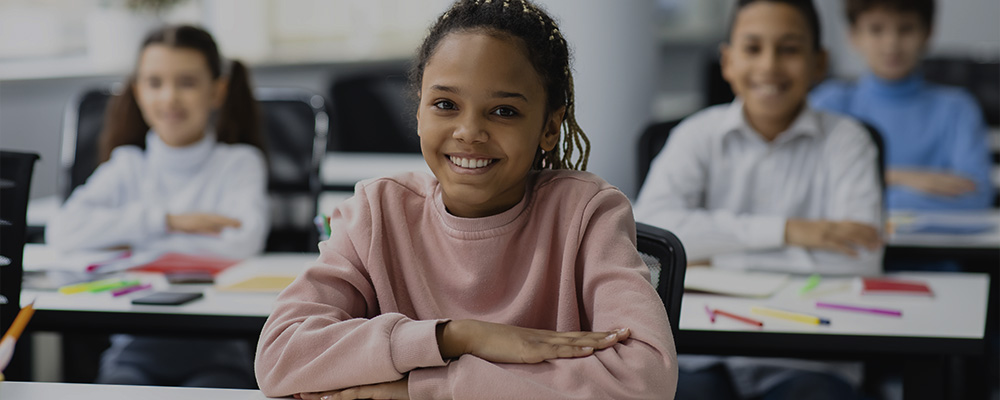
point(515, 345)
point(200, 223)
point(935, 183)
point(385, 391)
point(840, 236)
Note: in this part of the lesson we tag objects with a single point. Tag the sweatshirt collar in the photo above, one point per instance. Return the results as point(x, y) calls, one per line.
point(908, 86)
point(489, 226)
point(179, 159)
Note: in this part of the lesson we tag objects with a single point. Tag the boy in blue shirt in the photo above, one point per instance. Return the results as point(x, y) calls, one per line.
point(936, 142)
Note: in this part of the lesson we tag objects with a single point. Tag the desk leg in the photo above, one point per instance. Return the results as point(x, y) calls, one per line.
point(925, 378)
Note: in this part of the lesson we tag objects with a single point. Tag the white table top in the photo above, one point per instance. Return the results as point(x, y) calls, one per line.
point(80, 391)
point(957, 310)
point(214, 302)
point(983, 240)
point(346, 169)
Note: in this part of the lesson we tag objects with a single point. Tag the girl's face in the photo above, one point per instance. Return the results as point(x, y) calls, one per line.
point(176, 93)
point(891, 42)
point(481, 120)
point(770, 62)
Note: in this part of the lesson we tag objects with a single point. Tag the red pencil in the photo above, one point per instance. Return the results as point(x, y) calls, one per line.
point(738, 317)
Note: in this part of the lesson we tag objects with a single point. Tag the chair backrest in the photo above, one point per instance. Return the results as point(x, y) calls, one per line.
point(652, 140)
point(371, 113)
point(295, 126)
point(667, 262)
point(295, 129)
point(981, 78)
point(15, 184)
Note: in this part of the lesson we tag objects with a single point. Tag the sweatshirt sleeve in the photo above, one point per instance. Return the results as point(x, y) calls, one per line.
point(326, 331)
point(613, 292)
point(99, 214)
point(673, 198)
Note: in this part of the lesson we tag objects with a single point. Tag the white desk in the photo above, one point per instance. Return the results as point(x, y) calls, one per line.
point(218, 313)
point(957, 310)
point(79, 391)
point(928, 333)
point(989, 240)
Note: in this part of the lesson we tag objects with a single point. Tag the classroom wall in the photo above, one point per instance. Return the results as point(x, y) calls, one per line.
point(626, 74)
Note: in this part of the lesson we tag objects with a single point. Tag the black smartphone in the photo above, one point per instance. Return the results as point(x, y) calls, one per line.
point(167, 298)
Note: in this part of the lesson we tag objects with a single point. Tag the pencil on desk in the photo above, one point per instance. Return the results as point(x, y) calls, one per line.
point(738, 317)
point(791, 316)
point(14, 332)
point(871, 310)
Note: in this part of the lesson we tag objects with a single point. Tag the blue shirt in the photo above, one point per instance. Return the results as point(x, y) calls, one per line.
point(925, 126)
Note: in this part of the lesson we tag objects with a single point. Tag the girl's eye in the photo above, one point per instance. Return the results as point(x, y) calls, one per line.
point(154, 82)
point(789, 49)
point(187, 82)
point(751, 49)
point(505, 112)
point(445, 105)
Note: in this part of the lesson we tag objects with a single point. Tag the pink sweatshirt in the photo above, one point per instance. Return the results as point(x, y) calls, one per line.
point(398, 263)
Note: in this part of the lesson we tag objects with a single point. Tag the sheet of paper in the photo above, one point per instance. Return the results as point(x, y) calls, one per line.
point(41, 258)
point(734, 283)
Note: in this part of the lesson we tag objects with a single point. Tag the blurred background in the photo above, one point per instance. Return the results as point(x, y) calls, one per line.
point(636, 60)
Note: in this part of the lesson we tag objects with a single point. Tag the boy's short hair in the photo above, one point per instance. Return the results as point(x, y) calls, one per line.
point(923, 8)
point(805, 7)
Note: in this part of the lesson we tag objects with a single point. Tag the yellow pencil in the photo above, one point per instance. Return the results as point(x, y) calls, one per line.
point(14, 332)
point(791, 316)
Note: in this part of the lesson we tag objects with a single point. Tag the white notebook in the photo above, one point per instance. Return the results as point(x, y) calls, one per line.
point(734, 283)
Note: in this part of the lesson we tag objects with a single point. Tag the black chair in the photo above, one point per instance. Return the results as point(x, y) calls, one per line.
point(664, 254)
point(980, 78)
point(372, 112)
point(295, 127)
point(15, 185)
point(652, 140)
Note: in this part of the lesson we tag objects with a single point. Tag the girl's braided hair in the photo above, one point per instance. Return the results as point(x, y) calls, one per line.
point(547, 52)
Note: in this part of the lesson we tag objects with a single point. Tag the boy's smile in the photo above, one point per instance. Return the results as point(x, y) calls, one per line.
point(481, 121)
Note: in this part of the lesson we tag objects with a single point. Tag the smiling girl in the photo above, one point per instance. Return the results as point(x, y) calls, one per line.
point(506, 274)
point(182, 171)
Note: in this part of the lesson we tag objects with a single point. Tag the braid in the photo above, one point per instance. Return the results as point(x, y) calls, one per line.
point(547, 51)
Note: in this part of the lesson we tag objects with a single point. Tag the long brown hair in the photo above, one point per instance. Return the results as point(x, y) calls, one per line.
point(236, 121)
point(547, 51)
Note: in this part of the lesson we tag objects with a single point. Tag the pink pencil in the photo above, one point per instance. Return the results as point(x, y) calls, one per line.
point(130, 289)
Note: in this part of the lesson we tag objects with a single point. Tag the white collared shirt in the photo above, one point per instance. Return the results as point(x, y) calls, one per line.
point(726, 192)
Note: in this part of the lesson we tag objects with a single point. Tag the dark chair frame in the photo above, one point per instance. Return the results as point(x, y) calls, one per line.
point(16, 169)
point(667, 249)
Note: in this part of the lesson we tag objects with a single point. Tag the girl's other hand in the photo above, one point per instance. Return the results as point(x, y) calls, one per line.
point(840, 236)
point(200, 223)
point(386, 391)
point(516, 345)
point(935, 183)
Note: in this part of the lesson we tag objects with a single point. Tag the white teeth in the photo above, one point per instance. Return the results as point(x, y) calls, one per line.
point(471, 163)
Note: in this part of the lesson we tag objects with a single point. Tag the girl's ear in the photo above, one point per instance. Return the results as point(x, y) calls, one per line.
point(221, 87)
point(553, 125)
